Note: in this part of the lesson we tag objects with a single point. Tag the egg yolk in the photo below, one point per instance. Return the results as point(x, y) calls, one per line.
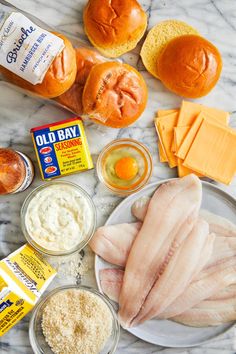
point(126, 168)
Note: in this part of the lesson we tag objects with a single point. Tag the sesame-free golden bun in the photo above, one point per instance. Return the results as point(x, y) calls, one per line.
point(158, 37)
point(115, 94)
point(190, 66)
point(114, 27)
point(85, 59)
point(59, 77)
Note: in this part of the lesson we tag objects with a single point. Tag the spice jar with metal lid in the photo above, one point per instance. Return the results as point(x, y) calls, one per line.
point(16, 171)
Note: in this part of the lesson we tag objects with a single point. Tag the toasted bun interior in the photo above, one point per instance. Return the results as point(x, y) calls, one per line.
point(158, 37)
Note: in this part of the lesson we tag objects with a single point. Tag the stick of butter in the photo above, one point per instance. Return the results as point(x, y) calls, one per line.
point(24, 275)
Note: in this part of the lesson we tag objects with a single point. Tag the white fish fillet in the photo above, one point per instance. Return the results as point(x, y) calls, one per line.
point(206, 254)
point(224, 247)
point(209, 313)
point(114, 242)
point(225, 293)
point(111, 281)
point(218, 224)
point(209, 282)
point(177, 275)
point(170, 217)
point(139, 208)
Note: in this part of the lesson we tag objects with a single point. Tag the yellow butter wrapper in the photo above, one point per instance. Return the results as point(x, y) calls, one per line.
point(24, 275)
point(61, 148)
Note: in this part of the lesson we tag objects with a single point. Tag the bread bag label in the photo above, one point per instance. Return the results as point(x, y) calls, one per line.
point(61, 148)
point(26, 49)
point(24, 275)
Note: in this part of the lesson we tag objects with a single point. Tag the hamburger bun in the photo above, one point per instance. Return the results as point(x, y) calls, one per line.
point(85, 59)
point(114, 27)
point(158, 37)
point(59, 77)
point(12, 173)
point(190, 66)
point(115, 94)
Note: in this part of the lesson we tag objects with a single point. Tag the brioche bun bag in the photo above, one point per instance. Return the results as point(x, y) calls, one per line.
point(114, 27)
point(64, 71)
point(85, 59)
point(41, 62)
point(115, 94)
point(190, 66)
point(59, 77)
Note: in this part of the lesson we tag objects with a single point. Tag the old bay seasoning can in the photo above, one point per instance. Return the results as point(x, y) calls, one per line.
point(61, 148)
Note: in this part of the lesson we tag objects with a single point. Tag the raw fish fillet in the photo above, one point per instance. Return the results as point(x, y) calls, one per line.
point(206, 254)
point(111, 278)
point(209, 313)
point(209, 282)
point(114, 242)
point(225, 293)
point(224, 247)
point(139, 208)
point(111, 281)
point(218, 224)
point(171, 215)
point(114, 246)
point(178, 273)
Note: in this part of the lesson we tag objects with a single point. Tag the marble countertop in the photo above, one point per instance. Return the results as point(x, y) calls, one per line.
point(216, 20)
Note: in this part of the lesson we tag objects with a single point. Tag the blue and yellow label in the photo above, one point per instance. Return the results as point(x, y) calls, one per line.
point(61, 148)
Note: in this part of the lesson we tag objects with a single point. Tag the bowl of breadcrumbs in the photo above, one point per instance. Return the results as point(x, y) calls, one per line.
point(74, 320)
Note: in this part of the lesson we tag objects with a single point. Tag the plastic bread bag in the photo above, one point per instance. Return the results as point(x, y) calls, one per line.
point(42, 62)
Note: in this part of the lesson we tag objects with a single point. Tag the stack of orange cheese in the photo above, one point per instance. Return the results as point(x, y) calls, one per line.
point(197, 139)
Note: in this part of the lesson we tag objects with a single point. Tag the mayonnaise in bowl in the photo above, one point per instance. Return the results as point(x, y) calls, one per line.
point(58, 218)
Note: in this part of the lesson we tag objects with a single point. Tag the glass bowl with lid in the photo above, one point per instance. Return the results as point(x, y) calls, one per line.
point(58, 218)
point(124, 166)
point(36, 335)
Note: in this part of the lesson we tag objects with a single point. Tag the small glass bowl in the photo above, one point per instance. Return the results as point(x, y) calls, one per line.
point(36, 336)
point(140, 150)
point(81, 244)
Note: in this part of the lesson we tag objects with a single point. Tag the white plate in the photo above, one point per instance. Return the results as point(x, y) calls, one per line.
point(164, 332)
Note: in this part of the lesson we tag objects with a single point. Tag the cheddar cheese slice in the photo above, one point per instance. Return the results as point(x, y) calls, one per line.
point(165, 112)
point(165, 130)
point(161, 113)
point(189, 112)
point(213, 152)
point(186, 140)
point(179, 132)
point(162, 155)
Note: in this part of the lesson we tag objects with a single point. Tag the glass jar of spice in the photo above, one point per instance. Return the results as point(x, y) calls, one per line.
point(16, 171)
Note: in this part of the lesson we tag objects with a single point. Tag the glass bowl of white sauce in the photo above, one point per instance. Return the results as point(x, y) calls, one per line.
point(58, 218)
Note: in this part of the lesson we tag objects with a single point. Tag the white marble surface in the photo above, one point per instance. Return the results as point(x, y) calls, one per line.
point(215, 19)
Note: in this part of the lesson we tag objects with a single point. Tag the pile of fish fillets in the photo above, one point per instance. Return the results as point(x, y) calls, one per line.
point(176, 262)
